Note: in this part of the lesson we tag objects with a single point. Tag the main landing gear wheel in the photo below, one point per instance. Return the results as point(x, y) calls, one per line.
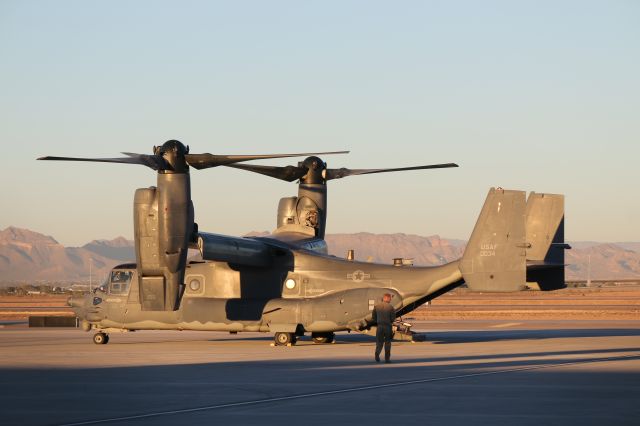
point(320, 338)
point(100, 338)
point(284, 339)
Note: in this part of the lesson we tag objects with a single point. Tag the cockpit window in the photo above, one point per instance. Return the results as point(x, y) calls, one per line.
point(104, 286)
point(120, 282)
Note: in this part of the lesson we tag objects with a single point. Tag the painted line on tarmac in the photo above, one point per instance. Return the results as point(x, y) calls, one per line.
point(346, 390)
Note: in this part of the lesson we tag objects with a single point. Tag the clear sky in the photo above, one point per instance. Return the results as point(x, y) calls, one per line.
point(541, 96)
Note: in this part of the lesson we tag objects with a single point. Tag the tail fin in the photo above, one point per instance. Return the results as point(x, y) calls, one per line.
point(545, 236)
point(494, 259)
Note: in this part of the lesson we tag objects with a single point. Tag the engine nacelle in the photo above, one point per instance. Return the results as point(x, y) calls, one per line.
point(302, 214)
point(164, 227)
point(287, 211)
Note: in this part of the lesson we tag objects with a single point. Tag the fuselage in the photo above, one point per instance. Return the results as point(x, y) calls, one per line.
point(303, 290)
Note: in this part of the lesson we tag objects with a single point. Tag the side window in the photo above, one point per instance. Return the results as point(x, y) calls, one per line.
point(120, 281)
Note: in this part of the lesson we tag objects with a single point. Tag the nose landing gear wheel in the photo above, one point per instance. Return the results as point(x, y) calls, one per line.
point(283, 339)
point(100, 338)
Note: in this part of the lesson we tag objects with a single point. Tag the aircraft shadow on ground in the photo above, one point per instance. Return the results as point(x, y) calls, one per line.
point(117, 391)
point(480, 336)
point(433, 337)
point(448, 337)
point(307, 364)
point(65, 395)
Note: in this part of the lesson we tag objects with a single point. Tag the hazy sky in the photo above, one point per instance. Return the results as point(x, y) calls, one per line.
point(539, 96)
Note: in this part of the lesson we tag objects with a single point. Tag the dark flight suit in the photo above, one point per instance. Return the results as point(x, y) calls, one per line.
point(383, 314)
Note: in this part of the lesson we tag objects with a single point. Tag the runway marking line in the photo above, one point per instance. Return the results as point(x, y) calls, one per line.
point(346, 390)
point(509, 324)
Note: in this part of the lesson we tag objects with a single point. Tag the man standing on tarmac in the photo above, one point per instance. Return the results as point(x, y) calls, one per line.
point(384, 315)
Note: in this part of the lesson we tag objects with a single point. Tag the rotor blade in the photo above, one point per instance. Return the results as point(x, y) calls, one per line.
point(151, 161)
point(156, 162)
point(204, 161)
point(340, 173)
point(287, 173)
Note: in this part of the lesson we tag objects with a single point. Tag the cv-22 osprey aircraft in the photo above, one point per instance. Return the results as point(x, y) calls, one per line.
point(286, 283)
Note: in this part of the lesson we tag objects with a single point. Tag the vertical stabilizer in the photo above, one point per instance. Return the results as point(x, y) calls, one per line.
point(494, 259)
point(545, 217)
point(545, 238)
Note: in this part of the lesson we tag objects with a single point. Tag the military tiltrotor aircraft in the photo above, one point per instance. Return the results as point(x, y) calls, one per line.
point(286, 283)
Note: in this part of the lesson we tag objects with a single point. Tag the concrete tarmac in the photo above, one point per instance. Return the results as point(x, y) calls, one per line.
point(466, 373)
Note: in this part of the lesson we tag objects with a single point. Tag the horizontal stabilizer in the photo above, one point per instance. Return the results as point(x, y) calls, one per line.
point(533, 265)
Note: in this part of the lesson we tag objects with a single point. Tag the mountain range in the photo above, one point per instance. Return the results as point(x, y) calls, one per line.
point(27, 256)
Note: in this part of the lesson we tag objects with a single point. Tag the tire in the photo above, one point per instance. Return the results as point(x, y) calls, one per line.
point(100, 338)
point(322, 338)
point(283, 339)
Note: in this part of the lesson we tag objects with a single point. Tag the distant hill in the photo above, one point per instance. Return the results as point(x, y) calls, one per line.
point(119, 248)
point(383, 248)
point(606, 261)
point(627, 245)
point(28, 256)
